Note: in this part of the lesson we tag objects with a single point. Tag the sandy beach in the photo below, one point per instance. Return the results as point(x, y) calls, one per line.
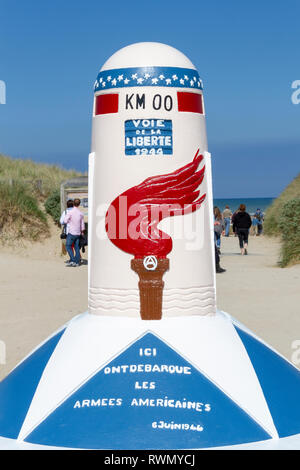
point(39, 294)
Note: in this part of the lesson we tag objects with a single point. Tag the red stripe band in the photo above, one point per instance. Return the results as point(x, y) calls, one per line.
point(190, 102)
point(106, 104)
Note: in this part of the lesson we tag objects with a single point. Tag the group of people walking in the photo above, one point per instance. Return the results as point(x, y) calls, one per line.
point(241, 222)
point(72, 221)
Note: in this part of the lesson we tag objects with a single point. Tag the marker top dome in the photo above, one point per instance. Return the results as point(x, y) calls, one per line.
point(147, 54)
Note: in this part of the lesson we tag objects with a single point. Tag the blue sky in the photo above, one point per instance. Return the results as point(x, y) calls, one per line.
point(246, 53)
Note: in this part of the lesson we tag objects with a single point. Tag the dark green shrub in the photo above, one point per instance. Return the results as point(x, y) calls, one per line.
point(289, 225)
point(52, 205)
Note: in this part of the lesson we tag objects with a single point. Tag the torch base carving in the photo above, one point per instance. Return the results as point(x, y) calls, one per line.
point(151, 287)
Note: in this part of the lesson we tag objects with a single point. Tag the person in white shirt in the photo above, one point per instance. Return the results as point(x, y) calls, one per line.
point(70, 205)
point(76, 229)
point(227, 214)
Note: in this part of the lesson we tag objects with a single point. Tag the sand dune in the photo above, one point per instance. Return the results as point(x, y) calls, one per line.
point(39, 294)
point(259, 294)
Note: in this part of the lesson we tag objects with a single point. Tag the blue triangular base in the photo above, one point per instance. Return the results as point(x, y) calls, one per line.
point(180, 408)
point(280, 382)
point(18, 388)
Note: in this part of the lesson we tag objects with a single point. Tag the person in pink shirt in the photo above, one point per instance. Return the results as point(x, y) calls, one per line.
point(75, 221)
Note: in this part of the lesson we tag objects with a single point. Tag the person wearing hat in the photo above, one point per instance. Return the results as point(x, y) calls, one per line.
point(259, 217)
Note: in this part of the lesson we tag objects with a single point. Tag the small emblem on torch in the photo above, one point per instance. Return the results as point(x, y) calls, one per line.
point(150, 263)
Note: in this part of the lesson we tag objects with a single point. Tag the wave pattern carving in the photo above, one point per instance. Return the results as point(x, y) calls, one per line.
point(192, 300)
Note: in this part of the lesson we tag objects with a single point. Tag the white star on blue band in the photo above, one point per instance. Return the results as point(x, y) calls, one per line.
point(148, 76)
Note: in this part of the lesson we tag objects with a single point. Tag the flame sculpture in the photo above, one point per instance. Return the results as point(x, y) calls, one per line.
point(132, 225)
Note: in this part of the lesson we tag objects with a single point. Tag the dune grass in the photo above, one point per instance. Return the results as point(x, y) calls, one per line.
point(32, 173)
point(283, 219)
point(273, 213)
point(289, 224)
point(24, 187)
point(20, 214)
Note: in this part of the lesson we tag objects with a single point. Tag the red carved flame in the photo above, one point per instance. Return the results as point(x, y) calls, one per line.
point(132, 218)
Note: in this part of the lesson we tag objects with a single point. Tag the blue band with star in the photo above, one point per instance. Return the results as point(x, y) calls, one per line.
point(148, 76)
